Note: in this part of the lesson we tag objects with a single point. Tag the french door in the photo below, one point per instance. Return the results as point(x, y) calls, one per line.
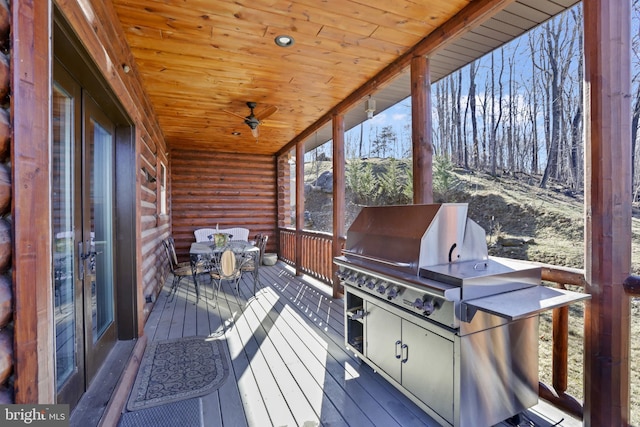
point(83, 236)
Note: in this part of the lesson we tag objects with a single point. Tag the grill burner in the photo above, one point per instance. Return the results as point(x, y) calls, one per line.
point(421, 291)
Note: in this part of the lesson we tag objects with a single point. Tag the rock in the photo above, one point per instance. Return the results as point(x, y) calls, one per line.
point(325, 182)
point(510, 241)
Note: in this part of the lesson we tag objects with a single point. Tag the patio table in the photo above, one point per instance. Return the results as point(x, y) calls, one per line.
point(203, 251)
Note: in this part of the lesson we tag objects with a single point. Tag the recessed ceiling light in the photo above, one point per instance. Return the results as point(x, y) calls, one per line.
point(235, 133)
point(284, 41)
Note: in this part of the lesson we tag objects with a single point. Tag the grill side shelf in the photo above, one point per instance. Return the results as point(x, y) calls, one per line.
point(520, 304)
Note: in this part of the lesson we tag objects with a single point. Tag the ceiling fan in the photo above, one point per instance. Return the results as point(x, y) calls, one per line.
point(254, 120)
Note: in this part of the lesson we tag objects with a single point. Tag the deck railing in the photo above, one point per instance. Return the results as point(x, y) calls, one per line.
point(317, 262)
point(556, 393)
point(317, 255)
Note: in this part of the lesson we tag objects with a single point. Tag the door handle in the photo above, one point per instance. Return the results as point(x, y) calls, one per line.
point(405, 351)
point(398, 355)
point(88, 254)
point(80, 260)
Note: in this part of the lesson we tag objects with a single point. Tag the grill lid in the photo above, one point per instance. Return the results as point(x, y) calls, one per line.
point(411, 236)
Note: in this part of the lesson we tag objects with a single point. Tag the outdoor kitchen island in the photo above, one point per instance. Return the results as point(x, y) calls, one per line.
point(451, 328)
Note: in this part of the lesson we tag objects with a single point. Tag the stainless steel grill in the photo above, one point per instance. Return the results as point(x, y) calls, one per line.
point(452, 328)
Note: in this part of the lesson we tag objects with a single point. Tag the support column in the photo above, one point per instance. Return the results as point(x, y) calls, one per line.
point(338, 197)
point(607, 89)
point(284, 219)
point(421, 130)
point(31, 58)
point(284, 191)
point(299, 204)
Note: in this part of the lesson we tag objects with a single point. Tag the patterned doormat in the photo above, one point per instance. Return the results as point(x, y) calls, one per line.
point(178, 369)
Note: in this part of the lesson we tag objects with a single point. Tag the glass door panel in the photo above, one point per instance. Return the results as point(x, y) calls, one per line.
point(63, 247)
point(98, 235)
point(66, 227)
point(101, 223)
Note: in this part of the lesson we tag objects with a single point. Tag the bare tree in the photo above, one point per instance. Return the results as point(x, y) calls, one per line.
point(575, 153)
point(635, 118)
point(495, 120)
point(511, 161)
point(558, 49)
point(533, 107)
point(471, 104)
point(462, 160)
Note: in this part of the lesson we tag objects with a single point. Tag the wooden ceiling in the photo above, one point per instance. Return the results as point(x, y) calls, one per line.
point(201, 61)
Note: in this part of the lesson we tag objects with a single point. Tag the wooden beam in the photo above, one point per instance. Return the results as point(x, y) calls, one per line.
point(607, 88)
point(421, 130)
point(468, 18)
point(31, 86)
point(338, 196)
point(299, 205)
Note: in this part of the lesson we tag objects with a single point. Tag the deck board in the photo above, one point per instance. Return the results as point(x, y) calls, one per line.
point(329, 318)
point(330, 374)
point(287, 359)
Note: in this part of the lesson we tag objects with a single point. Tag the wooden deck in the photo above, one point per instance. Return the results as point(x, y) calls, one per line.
point(288, 364)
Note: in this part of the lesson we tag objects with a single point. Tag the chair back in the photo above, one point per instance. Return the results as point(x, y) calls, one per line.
point(202, 234)
point(262, 245)
point(172, 250)
point(170, 259)
point(228, 263)
point(237, 233)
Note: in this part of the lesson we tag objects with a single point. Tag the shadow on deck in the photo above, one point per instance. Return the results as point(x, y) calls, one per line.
point(288, 362)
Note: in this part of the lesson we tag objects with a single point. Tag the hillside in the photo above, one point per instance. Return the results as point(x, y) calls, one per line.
point(521, 220)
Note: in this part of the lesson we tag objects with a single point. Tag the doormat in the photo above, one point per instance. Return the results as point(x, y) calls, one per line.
point(178, 369)
point(185, 413)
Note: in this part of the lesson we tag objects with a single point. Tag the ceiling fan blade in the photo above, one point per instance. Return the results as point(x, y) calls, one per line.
point(274, 124)
point(266, 112)
point(234, 114)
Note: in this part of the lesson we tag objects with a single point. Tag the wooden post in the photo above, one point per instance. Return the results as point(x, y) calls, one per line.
point(421, 130)
point(338, 196)
point(560, 354)
point(30, 101)
point(607, 89)
point(299, 204)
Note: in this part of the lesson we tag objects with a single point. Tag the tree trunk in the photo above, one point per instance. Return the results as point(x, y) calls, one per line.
point(556, 110)
point(458, 123)
point(495, 122)
point(474, 121)
point(361, 141)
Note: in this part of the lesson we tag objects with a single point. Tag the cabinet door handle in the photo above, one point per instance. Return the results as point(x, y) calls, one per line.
point(398, 353)
point(405, 351)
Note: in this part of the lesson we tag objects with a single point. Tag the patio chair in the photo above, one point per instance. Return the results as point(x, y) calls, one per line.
point(172, 249)
point(178, 272)
point(227, 265)
point(254, 260)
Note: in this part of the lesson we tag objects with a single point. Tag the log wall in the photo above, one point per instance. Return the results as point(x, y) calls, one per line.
point(6, 254)
point(96, 24)
point(231, 190)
